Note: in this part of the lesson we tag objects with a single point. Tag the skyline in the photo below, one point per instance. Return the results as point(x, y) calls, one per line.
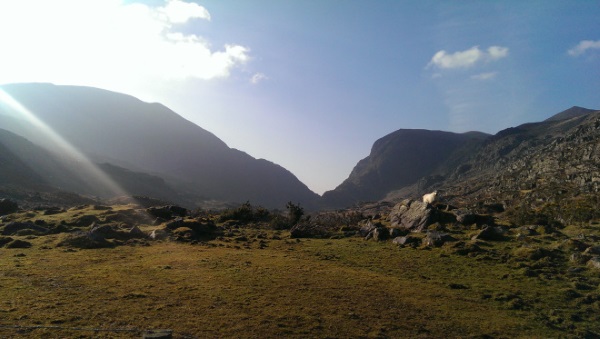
point(311, 85)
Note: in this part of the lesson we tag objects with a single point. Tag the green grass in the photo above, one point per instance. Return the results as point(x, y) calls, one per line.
point(293, 288)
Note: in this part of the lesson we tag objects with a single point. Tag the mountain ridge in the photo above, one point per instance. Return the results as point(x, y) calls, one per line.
point(148, 137)
point(464, 163)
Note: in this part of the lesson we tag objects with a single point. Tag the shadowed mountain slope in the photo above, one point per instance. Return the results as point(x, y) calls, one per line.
point(26, 166)
point(119, 129)
point(400, 159)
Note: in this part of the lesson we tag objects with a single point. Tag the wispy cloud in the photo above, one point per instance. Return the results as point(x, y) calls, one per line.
point(484, 76)
point(108, 42)
point(583, 46)
point(467, 58)
point(258, 77)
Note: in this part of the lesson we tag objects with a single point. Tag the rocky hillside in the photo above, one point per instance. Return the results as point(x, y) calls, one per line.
point(543, 163)
point(401, 159)
point(539, 164)
point(123, 131)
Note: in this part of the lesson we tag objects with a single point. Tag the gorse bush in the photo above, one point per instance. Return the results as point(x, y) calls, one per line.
point(246, 213)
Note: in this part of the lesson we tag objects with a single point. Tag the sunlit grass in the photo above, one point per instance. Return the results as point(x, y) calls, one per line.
point(290, 288)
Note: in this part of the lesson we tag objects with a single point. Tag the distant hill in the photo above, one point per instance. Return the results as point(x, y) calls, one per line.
point(149, 138)
point(401, 159)
point(28, 167)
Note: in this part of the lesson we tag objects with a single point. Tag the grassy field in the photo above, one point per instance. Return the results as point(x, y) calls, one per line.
point(262, 284)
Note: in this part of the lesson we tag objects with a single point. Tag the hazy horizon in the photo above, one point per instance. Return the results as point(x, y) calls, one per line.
point(311, 85)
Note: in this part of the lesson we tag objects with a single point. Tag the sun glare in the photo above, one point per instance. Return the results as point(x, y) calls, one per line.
point(60, 145)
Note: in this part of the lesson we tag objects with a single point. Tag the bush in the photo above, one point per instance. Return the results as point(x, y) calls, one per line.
point(246, 213)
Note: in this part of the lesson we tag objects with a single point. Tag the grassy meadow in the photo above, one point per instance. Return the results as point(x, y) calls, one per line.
point(260, 283)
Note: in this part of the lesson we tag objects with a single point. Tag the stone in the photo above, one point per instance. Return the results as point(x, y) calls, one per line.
point(167, 212)
point(594, 263)
point(53, 210)
point(104, 231)
point(136, 232)
point(85, 220)
point(412, 215)
point(578, 258)
point(5, 240)
point(489, 233)
point(380, 234)
point(592, 250)
point(17, 243)
point(436, 239)
point(367, 227)
point(13, 228)
point(406, 241)
point(158, 234)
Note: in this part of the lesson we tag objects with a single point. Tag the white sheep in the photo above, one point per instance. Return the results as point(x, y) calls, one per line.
point(430, 198)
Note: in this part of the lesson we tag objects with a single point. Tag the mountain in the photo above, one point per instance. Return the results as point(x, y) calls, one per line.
point(25, 166)
point(546, 162)
point(120, 130)
point(400, 159)
point(572, 112)
point(542, 160)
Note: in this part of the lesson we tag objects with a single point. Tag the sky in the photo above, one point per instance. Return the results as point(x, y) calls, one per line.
point(312, 84)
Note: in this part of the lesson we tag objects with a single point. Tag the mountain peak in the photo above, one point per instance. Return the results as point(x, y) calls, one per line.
point(572, 112)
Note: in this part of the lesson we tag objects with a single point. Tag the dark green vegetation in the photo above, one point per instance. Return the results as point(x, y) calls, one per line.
point(233, 275)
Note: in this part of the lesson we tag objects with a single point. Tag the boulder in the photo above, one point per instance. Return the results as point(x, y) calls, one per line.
point(85, 220)
point(167, 212)
point(367, 227)
point(105, 231)
point(17, 243)
point(8, 206)
point(158, 234)
point(412, 215)
point(53, 210)
point(406, 241)
point(594, 263)
point(136, 232)
point(13, 228)
point(378, 234)
point(436, 239)
point(467, 217)
point(489, 233)
point(5, 240)
point(86, 240)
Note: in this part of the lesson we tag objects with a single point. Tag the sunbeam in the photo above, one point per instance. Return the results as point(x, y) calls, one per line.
point(92, 171)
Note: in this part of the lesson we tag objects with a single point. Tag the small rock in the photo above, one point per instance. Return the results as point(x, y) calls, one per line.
point(158, 234)
point(594, 263)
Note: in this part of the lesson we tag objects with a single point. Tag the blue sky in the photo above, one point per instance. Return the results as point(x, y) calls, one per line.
point(311, 84)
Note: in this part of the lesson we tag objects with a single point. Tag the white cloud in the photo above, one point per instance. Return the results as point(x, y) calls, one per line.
point(467, 58)
point(484, 76)
point(180, 12)
point(583, 46)
point(497, 52)
point(258, 77)
point(108, 44)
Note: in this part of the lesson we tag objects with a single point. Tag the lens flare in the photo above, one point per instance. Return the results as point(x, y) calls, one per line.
point(91, 171)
